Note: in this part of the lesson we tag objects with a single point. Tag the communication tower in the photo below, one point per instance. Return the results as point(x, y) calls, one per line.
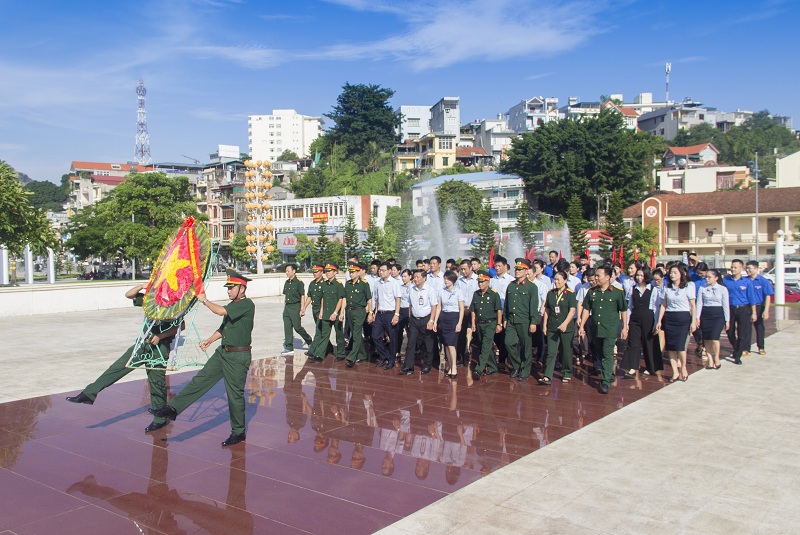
point(142, 151)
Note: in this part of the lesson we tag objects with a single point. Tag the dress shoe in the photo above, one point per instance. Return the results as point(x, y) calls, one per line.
point(365, 359)
point(340, 358)
point(164, 412)
point(287, 352)
point(389, 365)
point(405, 371)
point(629, 375)
point(154, 427)
point(351, 363)
point(81, 398)
point(380, 363)
point(523, 377)
point(234, 439)
point(476, 376)
point(489, 373)
point(603, 388)
point(426, 369)
point(514, 373)
point(738, 362)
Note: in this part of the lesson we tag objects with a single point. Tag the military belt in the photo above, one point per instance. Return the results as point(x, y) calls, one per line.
point(234, 349)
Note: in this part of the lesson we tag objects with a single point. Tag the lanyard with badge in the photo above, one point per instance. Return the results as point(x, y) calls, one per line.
point(559, 297)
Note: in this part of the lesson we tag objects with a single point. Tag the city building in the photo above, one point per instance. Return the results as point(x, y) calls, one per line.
point(494, 137)
point(721, 224)
point(704, 154)
point(726, 120)
point(414, 121)
point(219, 193)
point(629, 115)
point(269, 135)
point(506, 193)
point(432, 152)
point(667, 122)
point(575, 109)
point(92, 181)
point(446, 118)
point(529, 114)
point(695, 169)
point(787, 171)
point(642, 103)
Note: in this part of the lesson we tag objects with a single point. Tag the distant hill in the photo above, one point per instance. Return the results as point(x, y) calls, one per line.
point(22, 177)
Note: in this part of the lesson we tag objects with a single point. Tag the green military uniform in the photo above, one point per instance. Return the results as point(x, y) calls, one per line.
point(315, 294)
point(485, 307)
point(155, 376)
point(332, 291)
point(359, 296)
point(605, 307)
point(520, 313)
point(230, 361)
point(294, 290)
point(558, 304)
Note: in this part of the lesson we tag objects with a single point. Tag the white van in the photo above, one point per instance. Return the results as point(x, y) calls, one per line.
point(791, 274)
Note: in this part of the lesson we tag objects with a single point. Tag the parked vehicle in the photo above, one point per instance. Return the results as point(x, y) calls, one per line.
point(791, 274)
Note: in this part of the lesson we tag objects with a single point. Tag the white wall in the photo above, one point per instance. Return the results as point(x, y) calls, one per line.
point(788, 171)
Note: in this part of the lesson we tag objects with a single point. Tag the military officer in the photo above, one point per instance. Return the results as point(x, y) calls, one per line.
point(331, 316)
point(314, 297)
point(559, 310)
point(359, 308)
point(294, 290)
point(521, 314)
point(230, 361)
point(162, 335)
point(487, 320)
point(607, 306)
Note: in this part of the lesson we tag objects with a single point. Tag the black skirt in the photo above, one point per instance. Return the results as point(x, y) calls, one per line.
point(446, 328)
point(676, 330)
point(712, 322)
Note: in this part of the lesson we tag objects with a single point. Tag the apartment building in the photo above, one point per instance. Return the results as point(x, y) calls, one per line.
point(269, 135)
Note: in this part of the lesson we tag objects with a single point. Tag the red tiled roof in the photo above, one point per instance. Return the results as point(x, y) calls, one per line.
point(466, 152)
point(630, 112)
point(109, 180)
point(106, 166)
point(694, 149)
point(770, 200)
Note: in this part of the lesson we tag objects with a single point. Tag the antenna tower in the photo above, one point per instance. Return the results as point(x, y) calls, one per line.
point(142, 151)
point(668, 69)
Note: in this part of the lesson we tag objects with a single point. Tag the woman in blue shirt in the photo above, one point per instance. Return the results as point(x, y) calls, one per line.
point(448, 324)
point(713, 314)
point(677, 317)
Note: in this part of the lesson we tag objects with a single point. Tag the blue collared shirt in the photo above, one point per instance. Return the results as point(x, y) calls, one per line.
point(713, 296)
point(404, 291)
point(740, 291)
point(500, 285)
point(762, 288)
point(422, 300)
point(385, 294)
point(677, 299)
point(468, 287)
point(449, 299)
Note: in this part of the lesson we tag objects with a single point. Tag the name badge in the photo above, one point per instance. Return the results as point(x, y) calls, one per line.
point(558, 310)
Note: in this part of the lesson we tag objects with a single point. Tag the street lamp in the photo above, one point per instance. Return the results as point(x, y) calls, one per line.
point(259, 226)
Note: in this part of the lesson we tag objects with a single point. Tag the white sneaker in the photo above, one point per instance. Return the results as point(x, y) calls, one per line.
point(287, 352)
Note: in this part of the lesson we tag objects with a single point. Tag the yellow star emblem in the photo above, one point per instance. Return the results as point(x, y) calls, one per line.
point(170, 268)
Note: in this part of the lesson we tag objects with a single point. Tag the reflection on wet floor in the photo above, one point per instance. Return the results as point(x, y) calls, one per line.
point(326, 446)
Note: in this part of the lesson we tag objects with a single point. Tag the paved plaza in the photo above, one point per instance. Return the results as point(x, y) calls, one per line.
point(332, 450)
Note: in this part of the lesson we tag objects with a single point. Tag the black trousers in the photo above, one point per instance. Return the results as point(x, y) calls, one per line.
point(418, 330)
point(462, 351)
point(641, 341)
point(383, 324)
point(400, 329)
point(740, 329)
point(759, 325)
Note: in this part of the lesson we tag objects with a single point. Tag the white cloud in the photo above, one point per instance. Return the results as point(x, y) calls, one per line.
point(539, 76)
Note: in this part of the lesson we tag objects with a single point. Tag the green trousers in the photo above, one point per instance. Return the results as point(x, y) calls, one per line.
point(518, 345)
point(604, 349)
point(319, 347)
point(232, 368)
point(292, 323)
point(555, 339)
point(118, 370)
point(485, 336)
point(355, 320)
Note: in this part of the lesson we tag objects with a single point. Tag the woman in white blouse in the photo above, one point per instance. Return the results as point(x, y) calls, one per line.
point(449, 321)
point(713, 314)
point(677, 318)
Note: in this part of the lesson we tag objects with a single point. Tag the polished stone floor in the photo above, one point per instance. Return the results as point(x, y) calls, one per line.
point(328, 450)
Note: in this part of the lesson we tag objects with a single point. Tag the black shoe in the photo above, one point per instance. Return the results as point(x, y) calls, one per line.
point(738, 362)
point(514, 373)
point(603, 388)
point(380, 363)
point(164, 412)
point(523, 377)
point(405, 371)
point(340, 358)
point(365, 359)
point(476, 376)
point(81, 398)
point(234, 439)
point(155, 427)
point(629, 375)
point(545, 381)
point(351, 363)
point(594, 371)
point(426, 369)
point(389, 365)
point(308, 354)
point(489, 373)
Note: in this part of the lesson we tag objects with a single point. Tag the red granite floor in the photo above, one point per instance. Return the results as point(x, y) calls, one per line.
point(328, 449)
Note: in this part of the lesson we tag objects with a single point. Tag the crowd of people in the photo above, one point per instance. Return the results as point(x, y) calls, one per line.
point(530, 318)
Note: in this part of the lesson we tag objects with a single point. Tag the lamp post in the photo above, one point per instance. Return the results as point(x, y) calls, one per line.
point(259, 211)
point(133, 258)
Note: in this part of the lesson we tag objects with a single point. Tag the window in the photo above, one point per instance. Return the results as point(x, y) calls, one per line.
point(725, 181)
point(404, 165)
point(297, 213)
point(419, 201)
point(445, 161)
point(740, 252)
point(513, 194)
point(413, 122)
point(445, 143)
point(512, 214)
point(677, 183)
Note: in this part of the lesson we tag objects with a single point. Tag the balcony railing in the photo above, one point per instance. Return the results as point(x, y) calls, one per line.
point(729, 238)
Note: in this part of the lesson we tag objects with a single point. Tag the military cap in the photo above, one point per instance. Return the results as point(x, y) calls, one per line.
point(354, 267)
point(317, 267)
point(522, 263)
point(483, 276)
point(331, 267)
point(235, 278)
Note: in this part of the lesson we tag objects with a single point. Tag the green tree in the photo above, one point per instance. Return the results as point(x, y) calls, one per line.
point(322, 249)
point(702, 133)
point(459, 169)
point(288, 155)
point(399, 234)
point(374, 242)
point(643, 238)
point(20, 222)
point(577, 225)
point(239, 248)
point(524, 225)
point(311, 184)
point(243, 157)
point(306, 249)
point(336, 253)
point(615, 230)
point(351, 240)
point(46, 195)
point(486, 228)
point(363, 114)
point(583, 156)
point(464, 199)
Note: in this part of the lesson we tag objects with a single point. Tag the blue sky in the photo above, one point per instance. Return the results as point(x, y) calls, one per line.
point(68, 70)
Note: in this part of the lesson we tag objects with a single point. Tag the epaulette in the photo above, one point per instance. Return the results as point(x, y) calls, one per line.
point(570, 290)
point(492, 289)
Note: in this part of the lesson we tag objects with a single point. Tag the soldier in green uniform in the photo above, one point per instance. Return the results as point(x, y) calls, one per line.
point(359, 300)
point(520, 317)
point(294, 290)
point(559, 310)
point(607, 306)
point(230, 361)
point(487, 320)
point(161, 337)
point(314, 298)
point(331, 316)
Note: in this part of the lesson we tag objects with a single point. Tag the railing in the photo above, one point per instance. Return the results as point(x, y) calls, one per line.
point(729, 239)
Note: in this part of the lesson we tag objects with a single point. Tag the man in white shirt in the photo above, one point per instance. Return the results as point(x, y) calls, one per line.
point(423, 305)
point(500, 284)
point(386, 314)
point(436, 277)
point(468, 284)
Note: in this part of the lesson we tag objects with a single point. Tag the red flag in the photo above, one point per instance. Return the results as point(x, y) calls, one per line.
point(613, 254)
point(653, 259)
point(560, 256)
point(531, 255)
point(636, 252)
point(621, 254)
point(588, 256)
point(491, 258)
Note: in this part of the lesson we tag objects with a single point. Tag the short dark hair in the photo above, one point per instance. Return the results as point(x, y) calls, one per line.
point(646, 272)
point(702, 266)
point(398, 266)
point(716, 274)
point(752, 263)
point(426, 260)
point(376, 262)
point(451, 261)
point(657, 271)
point(466, 261)
point(608, 270)
point(538, 262)
point(562, 273)
point(434, 257)
point(552, 252)
point(451, 276)
point(562, 264)
point(418, 262)
point(737, 261)
point(584, 256)
point(293, 266)
point(475, 259)
point(500, 260)
point(384, 264)
point(421, 271)
point(353, 257)
point(590, 272)
point(410, 273)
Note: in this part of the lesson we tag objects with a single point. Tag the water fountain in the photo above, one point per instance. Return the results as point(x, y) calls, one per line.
point(514, 248)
